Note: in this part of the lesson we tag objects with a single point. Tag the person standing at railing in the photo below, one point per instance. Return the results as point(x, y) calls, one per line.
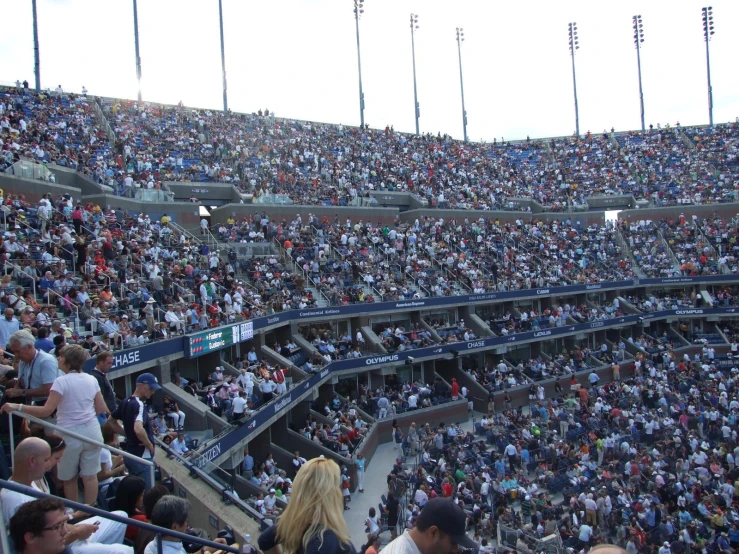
point(103, 363)
point(76, 398)
point(137, 426)
point(37, 370)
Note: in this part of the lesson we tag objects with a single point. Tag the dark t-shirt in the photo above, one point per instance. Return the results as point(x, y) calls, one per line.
point(329, 545)
point(105, 389)
point(129, 411)
point(392, 512)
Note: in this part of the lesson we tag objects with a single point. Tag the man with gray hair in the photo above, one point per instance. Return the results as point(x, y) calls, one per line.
point(172, 512)
point(8, 325)
point(36, 369)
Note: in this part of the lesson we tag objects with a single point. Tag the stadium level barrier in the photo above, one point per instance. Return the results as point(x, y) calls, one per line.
point(159, 531)
point(62, 432)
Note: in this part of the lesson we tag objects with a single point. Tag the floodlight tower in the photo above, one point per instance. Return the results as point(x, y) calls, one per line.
point(707, 15)
point(574, 46)
point(416, 107)
point(460, 40)
point(223, 57)
point(136, 44)
point(358, 11)
point(638, 39)
point(36, 57)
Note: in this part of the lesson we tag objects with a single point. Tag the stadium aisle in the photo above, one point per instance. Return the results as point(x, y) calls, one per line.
point(375, 485)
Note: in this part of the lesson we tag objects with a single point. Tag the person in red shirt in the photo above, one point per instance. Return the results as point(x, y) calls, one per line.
point(446, 489)
point(455, 389)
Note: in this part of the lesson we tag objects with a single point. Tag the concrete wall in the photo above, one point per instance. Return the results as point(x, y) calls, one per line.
point(223, 192)
point(185, 213)
point(290, 212)
point(33, 189)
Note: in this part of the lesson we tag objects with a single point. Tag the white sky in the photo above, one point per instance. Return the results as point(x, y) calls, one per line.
point(298, 58)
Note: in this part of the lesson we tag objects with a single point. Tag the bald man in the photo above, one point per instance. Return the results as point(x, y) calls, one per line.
point(92, 536)
point(607, 549)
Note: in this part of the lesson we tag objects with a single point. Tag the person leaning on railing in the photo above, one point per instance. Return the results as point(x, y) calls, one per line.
point(76, 398)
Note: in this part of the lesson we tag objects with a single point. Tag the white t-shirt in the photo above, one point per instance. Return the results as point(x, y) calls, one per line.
point(11, 501)
point(168, 547)
point(77, 405)
point(106, 464)
point(404, 544)
point(238, 405)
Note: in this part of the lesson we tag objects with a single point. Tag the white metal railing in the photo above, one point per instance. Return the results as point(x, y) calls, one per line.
point(77, 436)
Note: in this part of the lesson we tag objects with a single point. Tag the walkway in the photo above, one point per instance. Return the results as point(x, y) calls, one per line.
point(375, 485)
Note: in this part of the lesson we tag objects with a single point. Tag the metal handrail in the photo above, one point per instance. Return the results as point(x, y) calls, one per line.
point(228, 494)
point(21, 270)
point(75, 308)
point(112, 516)
point(77, 436)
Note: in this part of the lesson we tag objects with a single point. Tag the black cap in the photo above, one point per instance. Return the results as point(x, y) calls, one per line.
point(448, 518)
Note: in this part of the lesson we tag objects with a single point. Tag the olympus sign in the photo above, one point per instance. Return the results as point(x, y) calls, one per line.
point(688, 312)
point(382, 360)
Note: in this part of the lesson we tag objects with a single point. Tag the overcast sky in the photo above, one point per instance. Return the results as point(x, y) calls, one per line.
point(298, 58)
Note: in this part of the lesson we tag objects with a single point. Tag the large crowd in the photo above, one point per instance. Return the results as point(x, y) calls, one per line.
point(647, 462)
point(334, 165)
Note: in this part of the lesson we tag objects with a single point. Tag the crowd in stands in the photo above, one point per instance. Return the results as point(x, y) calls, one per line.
point(646, 462)
point(335, 165)
point(352, 263)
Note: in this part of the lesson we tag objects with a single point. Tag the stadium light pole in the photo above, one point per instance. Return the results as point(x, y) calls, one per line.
point(416, 107)
point(460, 40)
point(638, 39)
point(707, 34)
point(136, 43)
point(358, 11)
point(223, 57)
point(36, 55)
point(574, 45)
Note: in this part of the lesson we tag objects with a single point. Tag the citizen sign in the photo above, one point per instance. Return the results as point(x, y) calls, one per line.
point(596, 324)
point(382, 360)
point(210, 454)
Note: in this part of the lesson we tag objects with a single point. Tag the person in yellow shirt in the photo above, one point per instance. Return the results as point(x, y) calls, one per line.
point(165, 219)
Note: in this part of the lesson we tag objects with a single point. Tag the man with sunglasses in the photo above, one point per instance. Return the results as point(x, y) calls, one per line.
point(92, 536)
point(137, 426)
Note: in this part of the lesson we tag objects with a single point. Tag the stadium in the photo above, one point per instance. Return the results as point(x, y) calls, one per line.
point(201, 304)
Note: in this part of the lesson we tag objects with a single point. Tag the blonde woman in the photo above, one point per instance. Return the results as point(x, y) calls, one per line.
point(313, 521)
point(77, 399)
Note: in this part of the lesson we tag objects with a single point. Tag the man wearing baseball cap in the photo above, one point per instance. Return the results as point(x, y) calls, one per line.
point(137, 426)
point(440, 529)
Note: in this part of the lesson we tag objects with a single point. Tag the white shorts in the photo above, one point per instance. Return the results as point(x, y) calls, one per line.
point(81, 458)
